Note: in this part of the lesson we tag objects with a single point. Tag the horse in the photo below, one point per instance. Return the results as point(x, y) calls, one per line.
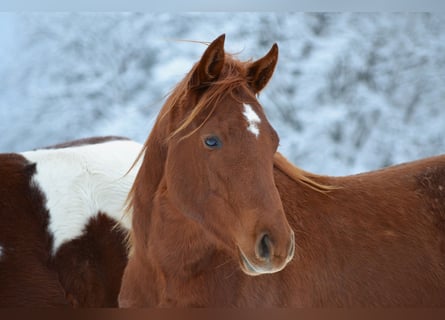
point(62, 230)
point(219, 218)
point(205, 187)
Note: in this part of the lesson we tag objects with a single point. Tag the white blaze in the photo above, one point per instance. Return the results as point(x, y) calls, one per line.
point(253, 120)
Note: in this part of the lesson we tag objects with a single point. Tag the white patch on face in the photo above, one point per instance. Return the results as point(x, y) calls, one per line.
point(79, 182)
point(1, 252)
point(253, 120)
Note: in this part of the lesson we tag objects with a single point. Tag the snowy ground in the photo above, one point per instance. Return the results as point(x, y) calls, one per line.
point(351, 92)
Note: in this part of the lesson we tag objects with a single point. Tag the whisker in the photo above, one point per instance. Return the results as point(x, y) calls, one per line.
point(223, 264)
point(230, 275)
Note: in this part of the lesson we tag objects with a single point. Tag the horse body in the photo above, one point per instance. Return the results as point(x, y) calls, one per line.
point(59, 209)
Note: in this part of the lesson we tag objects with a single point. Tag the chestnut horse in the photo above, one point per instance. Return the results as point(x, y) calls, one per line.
point(208, 226)
point(205, 193)
point(61, 232)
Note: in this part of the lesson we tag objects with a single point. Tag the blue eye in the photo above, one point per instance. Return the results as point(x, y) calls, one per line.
point(212, 142)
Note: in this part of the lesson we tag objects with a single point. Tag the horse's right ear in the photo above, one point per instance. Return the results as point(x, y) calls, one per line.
point(210, 65)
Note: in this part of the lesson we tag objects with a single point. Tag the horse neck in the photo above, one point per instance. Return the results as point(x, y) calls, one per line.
point(146, 184)
point(297, 196)
point(174, 237)
point(176, 252)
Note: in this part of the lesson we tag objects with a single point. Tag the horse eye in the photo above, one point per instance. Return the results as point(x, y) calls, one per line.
point(212, 142)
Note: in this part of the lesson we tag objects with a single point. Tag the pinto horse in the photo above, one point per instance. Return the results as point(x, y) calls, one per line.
point(221, 219)
point(62, 234)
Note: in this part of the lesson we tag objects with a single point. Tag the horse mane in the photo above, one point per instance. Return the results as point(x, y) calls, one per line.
point(299, 175)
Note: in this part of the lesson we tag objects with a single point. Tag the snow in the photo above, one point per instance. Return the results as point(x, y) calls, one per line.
point(351, 92)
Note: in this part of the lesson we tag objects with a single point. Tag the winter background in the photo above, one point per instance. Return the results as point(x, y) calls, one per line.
point(352, 92)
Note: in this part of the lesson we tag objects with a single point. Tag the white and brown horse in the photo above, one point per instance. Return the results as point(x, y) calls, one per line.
point(62, 232)
point(215, 211)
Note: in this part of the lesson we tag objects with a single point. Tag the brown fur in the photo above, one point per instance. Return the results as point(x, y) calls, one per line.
point(90, 267)
point(27, 274)
point(374, 239)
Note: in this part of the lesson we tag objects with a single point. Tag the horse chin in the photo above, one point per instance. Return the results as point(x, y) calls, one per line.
point(251, 269)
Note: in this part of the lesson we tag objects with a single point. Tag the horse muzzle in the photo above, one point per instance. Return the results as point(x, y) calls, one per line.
point(266, 259)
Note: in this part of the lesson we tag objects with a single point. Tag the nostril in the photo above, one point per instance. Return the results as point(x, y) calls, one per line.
point(264, 247)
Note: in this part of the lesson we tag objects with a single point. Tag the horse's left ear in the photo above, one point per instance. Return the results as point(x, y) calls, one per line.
point(260, 71)
point(210, 65)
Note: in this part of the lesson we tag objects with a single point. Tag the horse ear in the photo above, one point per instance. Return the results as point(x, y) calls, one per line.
point(210, 65)
point(260, 71)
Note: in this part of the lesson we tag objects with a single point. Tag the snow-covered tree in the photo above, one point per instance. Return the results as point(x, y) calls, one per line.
point(351, 92)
